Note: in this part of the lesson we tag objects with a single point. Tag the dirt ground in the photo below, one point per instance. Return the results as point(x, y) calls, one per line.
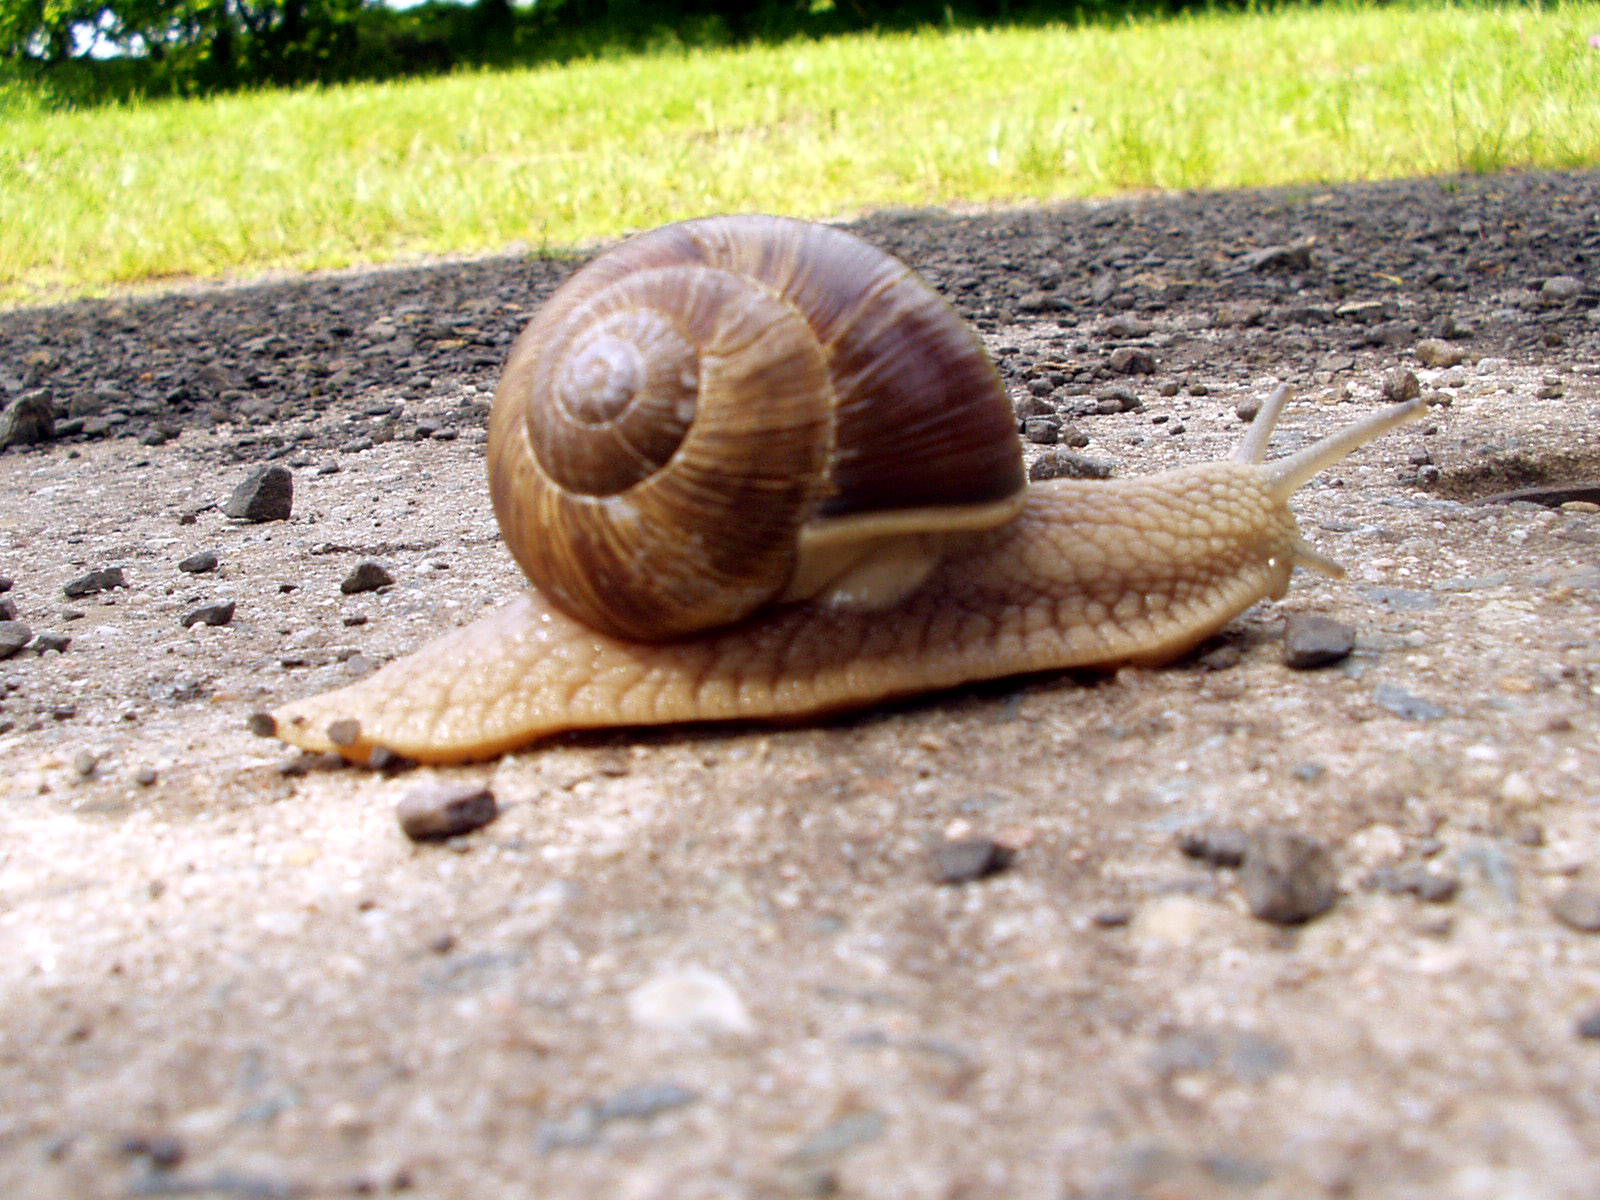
point(720, 962)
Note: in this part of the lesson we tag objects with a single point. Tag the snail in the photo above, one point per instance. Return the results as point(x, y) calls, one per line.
point(756, 469)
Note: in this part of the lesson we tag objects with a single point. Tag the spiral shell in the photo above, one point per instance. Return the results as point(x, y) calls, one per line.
point(733, 411)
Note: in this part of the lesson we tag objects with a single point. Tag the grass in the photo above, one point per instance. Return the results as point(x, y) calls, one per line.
point(100, 198)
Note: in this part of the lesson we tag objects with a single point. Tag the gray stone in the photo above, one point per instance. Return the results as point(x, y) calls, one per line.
point(1559, 289)
point(1288, 878)
point(436, 810)
point(28, 420)
point(209, 614)
point(1313, 640)
point(95, 582)
point(1436, 352)
point(966, 859)
point(14, 635)
point(1394, 698)
point(267, 494)
point(368, 576)
point(1578, 906)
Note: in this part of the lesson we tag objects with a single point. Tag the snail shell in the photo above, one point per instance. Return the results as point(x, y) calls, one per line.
point(733, 411)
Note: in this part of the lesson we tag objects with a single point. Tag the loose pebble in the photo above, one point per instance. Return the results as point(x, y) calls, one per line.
point(95, 582)
point(1399, 385)
point(1313, 640)
point(1588, 1026)
point(1288, 878)
point(1060, 463)
point(1130, 360)
point(28, 420)
point(210, 614)
point(1559, 289)
point(163, 1151)
point(646, 1100)
point(1428, 884)
point(969, 858)
point(368, 576)
point(344, 732)
point(1395, 699)
point(440, 810)
point(1216, 845)
point(14, 635)
point(1295, 256)
point(690, 1000)
point(1435, 352)
point(267, 494)
point(1577, 906)
point(200, 563)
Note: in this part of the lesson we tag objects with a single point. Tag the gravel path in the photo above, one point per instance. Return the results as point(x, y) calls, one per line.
point(1228, 928)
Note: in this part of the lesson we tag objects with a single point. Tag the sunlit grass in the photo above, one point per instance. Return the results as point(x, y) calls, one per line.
point(556, 156)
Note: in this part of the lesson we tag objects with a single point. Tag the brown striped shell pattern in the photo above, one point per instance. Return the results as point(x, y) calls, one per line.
point(732, 412)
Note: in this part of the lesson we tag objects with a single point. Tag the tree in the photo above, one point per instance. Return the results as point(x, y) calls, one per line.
point(213, 42)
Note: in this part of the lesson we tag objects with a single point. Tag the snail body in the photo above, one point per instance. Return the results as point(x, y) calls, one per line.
point(884, 542)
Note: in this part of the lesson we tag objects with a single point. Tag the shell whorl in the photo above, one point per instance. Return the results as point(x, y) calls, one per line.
point(689, 404)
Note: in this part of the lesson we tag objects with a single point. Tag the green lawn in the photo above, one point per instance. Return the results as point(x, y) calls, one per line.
point(553, 156)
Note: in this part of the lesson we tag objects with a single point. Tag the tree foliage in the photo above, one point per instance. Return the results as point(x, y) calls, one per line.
point(100, 47)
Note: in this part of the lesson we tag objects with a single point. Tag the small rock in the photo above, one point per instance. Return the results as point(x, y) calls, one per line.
point(146, 776)
point(28, 420)
point(1039, 300)
point(96, 582)
point(1400, 385)
point(1436, 352)
point(1130, 360)
point(209, 614)
point(261, 724)
point(1288, 878)
point(1294, 257)
point(1426, 884)
point(436, 810)
point(200, 563)
point(1059, 463)
point(267, 494)
point(7, 583)
point(1559, 289)
point(966, 859)
point(14, 635)
point(161, 1150)
point(1042, 431)
point(367, 577)
point(1126, 325)
point(1361, 310)
point(46, 641)
point(1578, 906)
point(644, 1101)
point(344, 732)
point(1395, 699)
point(1589, 1026)
point(1237, 314)
point(1218, 845)
point(1312, 640)
point(691, 1000)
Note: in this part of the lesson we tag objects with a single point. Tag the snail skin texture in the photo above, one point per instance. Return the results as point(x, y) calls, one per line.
point(901, 565)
